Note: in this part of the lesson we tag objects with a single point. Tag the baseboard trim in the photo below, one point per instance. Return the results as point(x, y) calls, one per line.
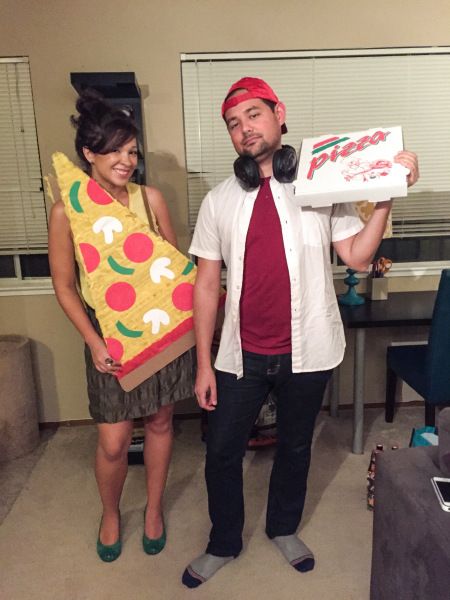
point(378, 405)
point(84, 422)
point(197, 415)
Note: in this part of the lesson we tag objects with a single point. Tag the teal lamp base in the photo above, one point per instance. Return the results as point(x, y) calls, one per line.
point(351, 297)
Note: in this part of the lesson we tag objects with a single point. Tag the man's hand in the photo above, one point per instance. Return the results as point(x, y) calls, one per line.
point(205, 388)
point(409, 160)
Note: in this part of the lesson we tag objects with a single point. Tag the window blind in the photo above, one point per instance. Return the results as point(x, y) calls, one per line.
point(327, 93)
point(23, 221)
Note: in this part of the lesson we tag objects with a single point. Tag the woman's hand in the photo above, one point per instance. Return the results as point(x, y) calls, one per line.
point(102, 359)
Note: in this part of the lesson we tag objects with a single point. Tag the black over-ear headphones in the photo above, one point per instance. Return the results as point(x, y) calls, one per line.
point(284, 165)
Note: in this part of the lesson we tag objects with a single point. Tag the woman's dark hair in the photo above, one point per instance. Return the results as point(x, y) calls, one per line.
point(101, 126)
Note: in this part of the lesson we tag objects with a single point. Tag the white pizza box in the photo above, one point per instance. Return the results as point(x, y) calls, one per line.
point(351, 167)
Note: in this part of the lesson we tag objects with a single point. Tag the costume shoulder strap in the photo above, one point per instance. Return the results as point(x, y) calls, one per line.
point(150, 214)
point(52, 187)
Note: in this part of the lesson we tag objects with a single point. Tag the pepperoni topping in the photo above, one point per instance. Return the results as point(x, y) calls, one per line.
point(182, 296)
point(138, 247)
point(90, 256)
point(97, 194)
point(120, 296)
point(115, 348)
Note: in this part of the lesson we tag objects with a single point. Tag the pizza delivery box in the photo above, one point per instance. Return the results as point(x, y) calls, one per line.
point(351, 167)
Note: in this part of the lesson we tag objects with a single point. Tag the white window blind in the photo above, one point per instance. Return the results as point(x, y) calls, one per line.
point(332, 92)
point(23, 222)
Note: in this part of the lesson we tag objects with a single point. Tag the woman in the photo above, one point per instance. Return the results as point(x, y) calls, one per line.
point(107, 146)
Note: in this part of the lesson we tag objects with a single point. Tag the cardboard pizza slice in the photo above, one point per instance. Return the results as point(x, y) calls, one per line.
point(141, 286)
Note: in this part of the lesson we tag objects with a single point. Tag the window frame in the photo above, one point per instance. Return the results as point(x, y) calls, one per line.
point(20, 284)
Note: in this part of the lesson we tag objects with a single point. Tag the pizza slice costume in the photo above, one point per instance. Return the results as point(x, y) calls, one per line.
point(138, 293)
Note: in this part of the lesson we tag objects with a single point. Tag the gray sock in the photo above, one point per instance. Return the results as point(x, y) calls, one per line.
point(202, 568)
point(295, 552)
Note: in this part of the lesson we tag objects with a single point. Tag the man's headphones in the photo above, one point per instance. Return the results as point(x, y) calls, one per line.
point(284, 165)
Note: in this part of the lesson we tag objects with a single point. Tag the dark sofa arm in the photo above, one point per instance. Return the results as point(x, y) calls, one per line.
point(444, 441)
point(411, 549)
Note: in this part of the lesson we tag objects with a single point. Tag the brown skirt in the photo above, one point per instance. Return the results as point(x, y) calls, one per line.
point(109, 403)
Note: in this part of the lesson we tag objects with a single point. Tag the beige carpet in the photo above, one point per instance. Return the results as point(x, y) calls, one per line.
point(47, 540)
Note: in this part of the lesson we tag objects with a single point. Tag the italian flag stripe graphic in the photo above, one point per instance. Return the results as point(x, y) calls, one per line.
point(327, 144)
point(327, 141)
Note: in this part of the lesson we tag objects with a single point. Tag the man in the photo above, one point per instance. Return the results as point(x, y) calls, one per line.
point(282, 330)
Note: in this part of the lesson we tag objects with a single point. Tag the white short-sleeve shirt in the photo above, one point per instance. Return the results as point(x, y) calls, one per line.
point(318, 341)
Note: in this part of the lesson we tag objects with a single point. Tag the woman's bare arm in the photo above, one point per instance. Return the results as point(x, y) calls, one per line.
point(62, 267)
point(159, 207)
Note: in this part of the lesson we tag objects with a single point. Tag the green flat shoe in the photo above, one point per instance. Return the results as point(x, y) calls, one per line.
point(153, 546)
point(111, 552)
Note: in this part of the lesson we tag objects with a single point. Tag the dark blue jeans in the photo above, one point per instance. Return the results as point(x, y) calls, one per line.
point(299, 397)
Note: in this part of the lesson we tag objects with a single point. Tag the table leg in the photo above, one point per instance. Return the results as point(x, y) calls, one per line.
point(333, 395)
point(358, 392)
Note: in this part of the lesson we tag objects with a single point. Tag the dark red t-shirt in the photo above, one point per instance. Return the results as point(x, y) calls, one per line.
point(265, 307)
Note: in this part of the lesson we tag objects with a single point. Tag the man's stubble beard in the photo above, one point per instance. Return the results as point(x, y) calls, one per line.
point(263, 151)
